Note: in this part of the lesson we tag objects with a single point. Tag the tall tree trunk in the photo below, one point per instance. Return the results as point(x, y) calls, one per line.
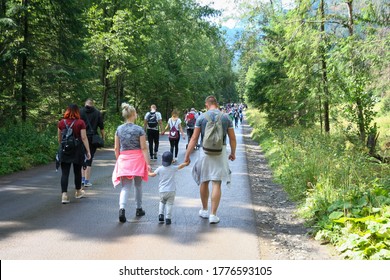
point(24, 61)
point(2, 8)
point(324, 71)
point(320, 114)
point(119, 92)
point(359, 105)
point(106, 85)
point(350, 16)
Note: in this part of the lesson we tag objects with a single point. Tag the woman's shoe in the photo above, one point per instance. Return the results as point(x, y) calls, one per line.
point(65, 199)
point(122, 216)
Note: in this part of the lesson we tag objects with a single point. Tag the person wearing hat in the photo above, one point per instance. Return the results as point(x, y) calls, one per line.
point(167, 186)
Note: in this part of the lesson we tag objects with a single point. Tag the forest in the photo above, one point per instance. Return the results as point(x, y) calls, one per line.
point(315, 73)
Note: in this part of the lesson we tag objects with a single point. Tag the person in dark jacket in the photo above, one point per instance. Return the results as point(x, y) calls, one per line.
point(93, 120)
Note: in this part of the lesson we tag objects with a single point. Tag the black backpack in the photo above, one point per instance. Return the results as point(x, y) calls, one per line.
point(152, 120)
point(69, 143)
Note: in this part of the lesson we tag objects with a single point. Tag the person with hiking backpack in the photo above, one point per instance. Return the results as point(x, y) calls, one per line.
point(190, 120)
point(93, 120)
point(213, 126)
point(174, 125)
point(152, 123)
point(74, 149)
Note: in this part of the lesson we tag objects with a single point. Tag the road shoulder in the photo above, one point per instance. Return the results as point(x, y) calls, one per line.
point(282, 235)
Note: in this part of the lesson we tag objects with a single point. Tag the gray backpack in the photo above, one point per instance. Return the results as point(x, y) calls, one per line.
point(213, 135)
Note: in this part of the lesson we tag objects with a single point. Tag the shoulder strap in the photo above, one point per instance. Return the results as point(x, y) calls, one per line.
point(66, 125)
point(89, 124)
point(69, 126)
point(207, 116)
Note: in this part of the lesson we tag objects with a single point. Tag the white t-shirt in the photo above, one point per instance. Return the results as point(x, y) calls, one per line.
point(167, 178)
point(176, 123)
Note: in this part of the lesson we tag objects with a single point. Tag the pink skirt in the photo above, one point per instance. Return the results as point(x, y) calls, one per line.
point(130, 163)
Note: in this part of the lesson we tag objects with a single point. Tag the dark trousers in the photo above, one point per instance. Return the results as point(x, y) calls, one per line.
point(174, 146)
point(153, 138)
point(92, 149)
point(65, 168)
point(190, 131)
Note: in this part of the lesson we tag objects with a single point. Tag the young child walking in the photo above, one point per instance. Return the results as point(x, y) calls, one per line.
point(167, 186)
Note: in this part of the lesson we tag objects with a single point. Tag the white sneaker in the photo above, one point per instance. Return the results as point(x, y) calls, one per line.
point(79, 194)
point(87, 185)
point(204, 214)
point(213, 219)
point(65, 199)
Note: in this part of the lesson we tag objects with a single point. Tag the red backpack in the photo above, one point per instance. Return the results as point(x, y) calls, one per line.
point(190, 120)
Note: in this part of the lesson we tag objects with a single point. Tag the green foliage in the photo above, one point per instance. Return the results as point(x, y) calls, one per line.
point(26, 145)
point(307, 67)
point(142, 52)
point(163, 52)
point(343, 194)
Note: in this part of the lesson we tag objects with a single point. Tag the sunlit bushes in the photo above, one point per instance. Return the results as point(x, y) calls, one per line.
point(342, 193)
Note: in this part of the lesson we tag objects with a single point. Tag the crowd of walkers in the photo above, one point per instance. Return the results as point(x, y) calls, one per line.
point(136, 146)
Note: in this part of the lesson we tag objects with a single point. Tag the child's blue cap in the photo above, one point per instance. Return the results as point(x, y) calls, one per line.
point(167, 158)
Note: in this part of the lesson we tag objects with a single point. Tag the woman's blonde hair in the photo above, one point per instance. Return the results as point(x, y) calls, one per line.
point(127, 111)
point(175, 113)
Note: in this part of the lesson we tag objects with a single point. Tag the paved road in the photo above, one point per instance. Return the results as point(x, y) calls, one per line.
point(35, 225)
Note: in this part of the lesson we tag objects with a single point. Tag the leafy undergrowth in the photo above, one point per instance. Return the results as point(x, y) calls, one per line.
point(24, 146)
point(343, 194)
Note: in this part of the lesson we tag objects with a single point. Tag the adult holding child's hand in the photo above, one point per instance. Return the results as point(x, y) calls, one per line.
point(214, 127)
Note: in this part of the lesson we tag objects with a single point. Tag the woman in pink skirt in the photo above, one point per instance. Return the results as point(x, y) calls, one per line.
point(132, 161)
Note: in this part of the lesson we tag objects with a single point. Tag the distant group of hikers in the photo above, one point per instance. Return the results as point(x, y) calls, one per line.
point(78, 138)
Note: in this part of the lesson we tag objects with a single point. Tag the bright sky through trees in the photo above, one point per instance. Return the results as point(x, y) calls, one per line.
point(231, 9)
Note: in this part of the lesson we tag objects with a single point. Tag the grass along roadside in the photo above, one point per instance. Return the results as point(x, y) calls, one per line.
point(342, 193)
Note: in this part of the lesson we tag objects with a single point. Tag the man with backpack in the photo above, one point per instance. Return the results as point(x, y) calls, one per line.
point(213, 126)
point(93, 120)
point(190, 120)
point(152, 122)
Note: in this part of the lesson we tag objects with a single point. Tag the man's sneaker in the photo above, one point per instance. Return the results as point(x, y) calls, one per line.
point(87, 185)
point(140, 212)
point(155, 156)
point(161, 218)
point(122, 216)
point(79, 193)
point(168, 221)
point(65, 199)
point(204, 214)
point(213, 219)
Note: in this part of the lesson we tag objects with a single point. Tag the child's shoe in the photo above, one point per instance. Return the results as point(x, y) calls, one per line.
point(139, 212)
point(161, 218)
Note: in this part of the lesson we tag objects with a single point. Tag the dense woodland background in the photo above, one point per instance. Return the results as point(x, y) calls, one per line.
point(316, 74)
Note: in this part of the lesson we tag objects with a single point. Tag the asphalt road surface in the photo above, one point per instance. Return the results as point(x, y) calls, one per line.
point(35, 225)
